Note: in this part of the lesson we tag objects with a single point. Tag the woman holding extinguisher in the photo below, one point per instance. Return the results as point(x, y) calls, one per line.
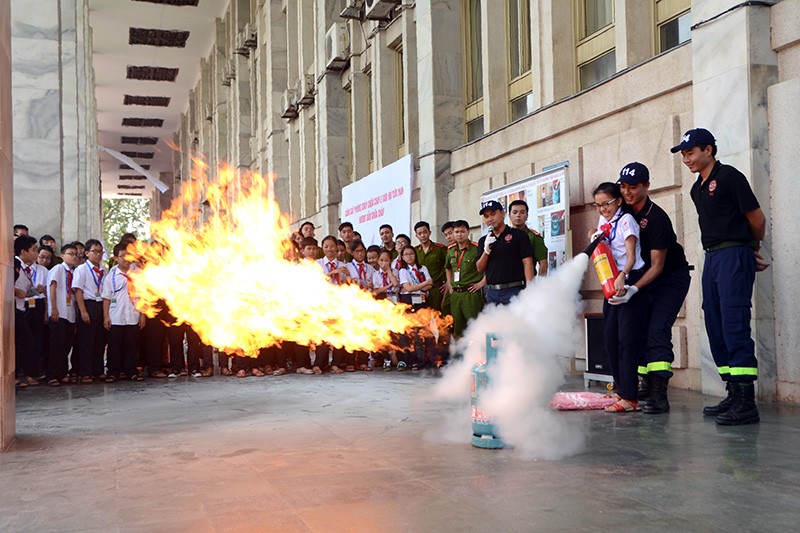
point(622, 323)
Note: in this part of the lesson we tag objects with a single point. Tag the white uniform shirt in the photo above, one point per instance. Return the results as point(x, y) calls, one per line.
point(378, 282)
point(355, 275)
point(122, 312)
point(25, 283)
point(624, 227)
point(65, 300)
point(329, 266)
point(407, 275)
point(87, 280)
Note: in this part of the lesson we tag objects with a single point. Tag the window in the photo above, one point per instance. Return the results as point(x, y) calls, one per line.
point(597, 70)
point(401, 104)
point(597, 14)
point(474, 69)
point(519, 47)
point(673, 23)
point(595, 53)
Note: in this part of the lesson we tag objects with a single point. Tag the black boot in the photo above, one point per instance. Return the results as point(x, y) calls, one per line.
point(644, 387)
point(724, 405)
point(744, 410)
point(658, 402)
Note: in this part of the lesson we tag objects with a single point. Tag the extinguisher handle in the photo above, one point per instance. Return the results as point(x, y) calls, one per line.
point(595, 241)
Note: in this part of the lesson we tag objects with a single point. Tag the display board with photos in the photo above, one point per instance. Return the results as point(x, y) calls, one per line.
point(547, 196)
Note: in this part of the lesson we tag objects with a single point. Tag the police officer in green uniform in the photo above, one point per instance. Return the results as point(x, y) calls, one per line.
point(518, 216)
point(431, 254)
point(447, 231)
point(464, 282)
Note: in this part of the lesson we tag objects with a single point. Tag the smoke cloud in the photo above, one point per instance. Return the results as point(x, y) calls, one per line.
point(535, 331)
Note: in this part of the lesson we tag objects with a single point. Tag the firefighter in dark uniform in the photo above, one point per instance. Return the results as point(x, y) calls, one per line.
point(667, 280)
point(732, 226)
point(464, 282)
point(518, 216)
point(506, 256)
point(431, 255)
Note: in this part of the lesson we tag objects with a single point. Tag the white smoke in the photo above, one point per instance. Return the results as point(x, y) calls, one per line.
point(537, 329)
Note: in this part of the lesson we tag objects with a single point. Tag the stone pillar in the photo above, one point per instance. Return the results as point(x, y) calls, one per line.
point(332, 141)
point(784, 160)
point(384, 98)
point(633, 38)
point(733, 64)
point(273, 29)
point(494, 48)
point(7, 399)
point(441, 103)
point(553, 71)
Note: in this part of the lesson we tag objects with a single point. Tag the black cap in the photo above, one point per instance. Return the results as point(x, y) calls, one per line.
point(491, 205)
point(693, 138)
point(634, 174)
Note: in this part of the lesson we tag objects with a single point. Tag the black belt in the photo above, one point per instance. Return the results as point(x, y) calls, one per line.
point(732, 244)
point(460, 289)
point(502, 286)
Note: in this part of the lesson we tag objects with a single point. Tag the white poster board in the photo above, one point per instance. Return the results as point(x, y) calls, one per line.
point(383, 197)
point(547, 196)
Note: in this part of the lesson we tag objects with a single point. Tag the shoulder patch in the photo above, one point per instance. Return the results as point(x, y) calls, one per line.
point(473, 243)
point(440, 245)
point(454, 244)
point(534, 232)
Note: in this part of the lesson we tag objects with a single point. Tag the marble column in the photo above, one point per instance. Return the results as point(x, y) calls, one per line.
point(7, 399)
point(441, 103)
point(733, 64)
point(784, 160)
point(332, 139)
point(494, 49)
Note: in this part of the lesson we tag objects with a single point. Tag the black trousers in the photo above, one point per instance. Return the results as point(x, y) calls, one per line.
point(123, 344)
point(92, 338)
point(194, 349)
point(28, 333)
point(61, 339)
point(154, 331)
point(323, 357)
point(665, 297)
point(622, 333)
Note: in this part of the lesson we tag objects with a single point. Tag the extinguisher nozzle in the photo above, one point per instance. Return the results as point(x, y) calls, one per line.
point(592, 245)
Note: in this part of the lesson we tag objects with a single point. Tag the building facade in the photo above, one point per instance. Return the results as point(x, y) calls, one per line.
point(484, 94)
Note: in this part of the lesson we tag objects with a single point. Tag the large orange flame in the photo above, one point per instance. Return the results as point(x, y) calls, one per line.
point(222, 262)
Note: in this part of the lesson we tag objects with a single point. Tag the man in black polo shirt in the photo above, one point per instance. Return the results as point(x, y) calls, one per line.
point(732, 226)
point(667, 280)
point(506, 256)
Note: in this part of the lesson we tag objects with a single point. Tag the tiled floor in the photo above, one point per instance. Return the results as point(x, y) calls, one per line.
point(352, 453)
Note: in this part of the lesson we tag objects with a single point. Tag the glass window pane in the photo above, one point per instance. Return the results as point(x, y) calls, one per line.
point(676, 31)
point(519, 37)
point(597, 14)
point(475, 129)
point(598, 69)
point(521, 106)
point(475, 68)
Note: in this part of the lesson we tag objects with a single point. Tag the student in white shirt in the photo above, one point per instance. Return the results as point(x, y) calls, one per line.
point(361, 273)
point(121, 319)
point(61, 310)
point(29, 303)
point(337, 273)
point(87, 285)
point(415, 282)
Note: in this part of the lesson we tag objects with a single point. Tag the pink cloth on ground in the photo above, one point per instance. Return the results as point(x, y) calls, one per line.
point(574, 401)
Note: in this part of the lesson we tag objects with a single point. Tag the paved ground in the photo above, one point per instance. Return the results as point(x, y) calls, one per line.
point(350, 453)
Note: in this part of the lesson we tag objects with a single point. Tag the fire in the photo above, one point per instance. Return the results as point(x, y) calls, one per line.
point(222, 263)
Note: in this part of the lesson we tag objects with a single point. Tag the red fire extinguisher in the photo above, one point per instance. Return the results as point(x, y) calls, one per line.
point(604, 264)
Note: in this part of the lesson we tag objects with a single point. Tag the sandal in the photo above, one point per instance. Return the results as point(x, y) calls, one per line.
point(257, 372)
point(158, 374)
point(136, 377)
point(336, 370)
point(65, 380)
point(32, 382)
point(207, 372)
point(350, 368)
point(87, 380)
point(268, 369)
point(317, 370)
point(241, 374)
point(304, 370)
point(54, 383)
point(623, 406)
point(279, 372)
point(225, 371)
point(73, 379)
point(110, 379)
